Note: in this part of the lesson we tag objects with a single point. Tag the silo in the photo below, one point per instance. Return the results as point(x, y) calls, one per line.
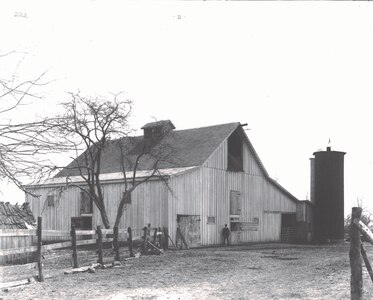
point(329, 195)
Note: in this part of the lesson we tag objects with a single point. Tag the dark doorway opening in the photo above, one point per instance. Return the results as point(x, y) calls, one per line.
point(235, 160)
point(288, 227)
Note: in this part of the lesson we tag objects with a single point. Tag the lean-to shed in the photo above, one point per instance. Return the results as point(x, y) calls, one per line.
point(213, 177)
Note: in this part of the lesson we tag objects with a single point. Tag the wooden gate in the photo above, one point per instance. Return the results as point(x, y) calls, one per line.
point(190, 227)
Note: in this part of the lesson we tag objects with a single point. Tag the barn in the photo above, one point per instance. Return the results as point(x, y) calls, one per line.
point(215, 177)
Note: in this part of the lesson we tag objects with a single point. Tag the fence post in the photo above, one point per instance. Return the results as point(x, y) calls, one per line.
point(74, 247)
point(116, 244)
point(154, 236)
point(39, 250)
point(367, 262)
point(99, 245)
point(165, 238)
point(356, 282)
point(145, 244)
point(129, 240)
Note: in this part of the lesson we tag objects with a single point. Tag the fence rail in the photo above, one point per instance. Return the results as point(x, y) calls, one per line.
point(94, 237)
point(358, 253)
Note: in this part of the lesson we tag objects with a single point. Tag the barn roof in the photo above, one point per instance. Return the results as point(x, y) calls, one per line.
point(16, 216)
point(189, 147)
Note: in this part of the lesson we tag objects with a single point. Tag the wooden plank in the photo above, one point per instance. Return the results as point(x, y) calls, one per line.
point(57, 246)
point(40, 250)
point(55, 233)
point(155, 247)
point(28, 266)
point(107, 231)
point(85, 232)
point(73, 246)
point(18, 250)
point(367, 262)
point(80, 270)
point(86, 242)
point(364, 230)
point(18, 232)
point(4, 285)
point(356, 281)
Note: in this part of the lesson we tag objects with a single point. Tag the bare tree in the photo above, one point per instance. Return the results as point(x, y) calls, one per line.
point(23, 146)
point(156, 149)
point(366, 215)
point(91, 124)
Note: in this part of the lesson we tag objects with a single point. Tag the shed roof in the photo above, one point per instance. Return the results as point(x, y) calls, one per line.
point(16, 216)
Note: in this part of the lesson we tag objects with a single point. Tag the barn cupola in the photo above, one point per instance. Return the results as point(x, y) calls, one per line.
point(154, 131)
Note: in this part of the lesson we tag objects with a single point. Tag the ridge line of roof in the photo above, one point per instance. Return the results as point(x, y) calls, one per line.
point(179, 130)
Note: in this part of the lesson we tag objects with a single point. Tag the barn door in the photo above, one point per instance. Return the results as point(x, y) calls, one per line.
point(190, 227)
point(288, 227)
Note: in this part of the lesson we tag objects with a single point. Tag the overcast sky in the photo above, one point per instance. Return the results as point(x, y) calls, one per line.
point(298, 73)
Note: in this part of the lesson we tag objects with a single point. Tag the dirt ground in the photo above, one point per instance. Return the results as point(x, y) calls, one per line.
point(267, 271)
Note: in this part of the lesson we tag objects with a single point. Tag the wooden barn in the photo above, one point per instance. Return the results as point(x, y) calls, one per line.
point(215, 178)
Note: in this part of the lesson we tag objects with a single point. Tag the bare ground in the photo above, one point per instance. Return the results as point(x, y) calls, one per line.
point(269, 271)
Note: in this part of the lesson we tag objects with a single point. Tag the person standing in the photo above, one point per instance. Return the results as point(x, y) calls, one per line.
point(226, 234)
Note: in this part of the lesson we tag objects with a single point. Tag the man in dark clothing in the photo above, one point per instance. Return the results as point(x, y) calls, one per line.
point(226, 235)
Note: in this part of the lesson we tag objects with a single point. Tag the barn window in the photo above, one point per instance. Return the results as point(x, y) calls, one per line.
point(210, 220)
point(235, 160)
point(235, 203)
point(50, 200)
point(85, 203)
point(235, 223)
point(235, 210)
point(127, 200)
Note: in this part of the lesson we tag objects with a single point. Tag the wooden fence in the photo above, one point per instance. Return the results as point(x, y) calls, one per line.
point(17, 238)
point(358, 253)
point(95, 237)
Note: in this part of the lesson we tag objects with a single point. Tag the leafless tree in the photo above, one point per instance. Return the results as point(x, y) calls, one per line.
point(92, 123)
point(155, 150)
point(22, 145)
point(366, 215)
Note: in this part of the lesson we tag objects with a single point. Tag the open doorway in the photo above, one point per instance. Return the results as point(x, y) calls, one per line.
point(190, 227)
point(288, 227)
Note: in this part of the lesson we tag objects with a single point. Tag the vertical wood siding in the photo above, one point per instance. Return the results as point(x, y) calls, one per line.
point(205, 192)
point(218, 160)
point(148, 205)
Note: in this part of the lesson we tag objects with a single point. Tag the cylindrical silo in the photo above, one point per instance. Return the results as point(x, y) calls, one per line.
point(312, 180)
point(329, 195)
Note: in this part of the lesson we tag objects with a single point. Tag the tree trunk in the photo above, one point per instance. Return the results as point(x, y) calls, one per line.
point(120, 208)
point(105, 219)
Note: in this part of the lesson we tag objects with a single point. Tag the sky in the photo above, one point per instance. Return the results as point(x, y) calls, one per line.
point(298, 73)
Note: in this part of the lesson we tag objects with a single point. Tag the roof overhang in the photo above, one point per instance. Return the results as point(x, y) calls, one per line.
point(116, 177)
